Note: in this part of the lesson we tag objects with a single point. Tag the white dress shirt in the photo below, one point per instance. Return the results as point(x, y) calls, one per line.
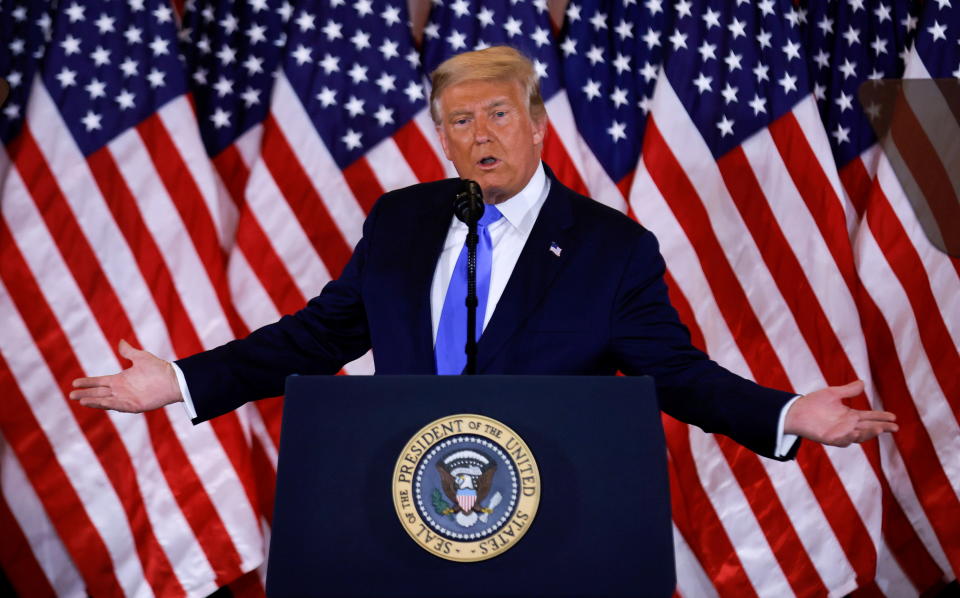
point(508, 235)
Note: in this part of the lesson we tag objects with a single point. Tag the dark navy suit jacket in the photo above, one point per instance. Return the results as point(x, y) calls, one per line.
point(599, 306)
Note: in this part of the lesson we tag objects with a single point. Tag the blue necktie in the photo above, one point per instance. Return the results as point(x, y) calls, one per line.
point(452, 332)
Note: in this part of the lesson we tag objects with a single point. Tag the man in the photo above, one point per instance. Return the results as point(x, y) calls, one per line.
point(571, 287)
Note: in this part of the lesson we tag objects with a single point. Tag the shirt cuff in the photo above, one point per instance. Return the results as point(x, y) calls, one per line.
point(192, 413)
point(785, 442)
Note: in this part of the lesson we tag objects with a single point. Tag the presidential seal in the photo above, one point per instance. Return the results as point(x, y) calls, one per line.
point(466, 487)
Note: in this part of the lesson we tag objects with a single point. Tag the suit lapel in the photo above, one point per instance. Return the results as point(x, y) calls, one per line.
point(427, 237)
point(536, 269)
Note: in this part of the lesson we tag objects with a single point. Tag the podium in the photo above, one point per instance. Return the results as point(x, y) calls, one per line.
point(602, 526)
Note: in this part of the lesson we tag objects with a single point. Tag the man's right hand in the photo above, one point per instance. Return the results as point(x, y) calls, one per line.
point(150, 383)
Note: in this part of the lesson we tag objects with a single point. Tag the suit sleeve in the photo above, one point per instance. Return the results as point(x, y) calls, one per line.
point(648, 338)
point(330, 331)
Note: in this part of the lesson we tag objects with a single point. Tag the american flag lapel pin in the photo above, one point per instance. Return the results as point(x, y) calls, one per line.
point(555, 249)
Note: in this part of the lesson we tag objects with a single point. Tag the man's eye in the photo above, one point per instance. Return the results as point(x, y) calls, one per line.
point(460, 121)
point(500, 113)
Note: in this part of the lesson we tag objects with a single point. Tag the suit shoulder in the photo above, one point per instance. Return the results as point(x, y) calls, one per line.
point(592, 214)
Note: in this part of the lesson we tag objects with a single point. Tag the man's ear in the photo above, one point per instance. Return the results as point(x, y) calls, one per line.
point(539, 129)
point(443, 142)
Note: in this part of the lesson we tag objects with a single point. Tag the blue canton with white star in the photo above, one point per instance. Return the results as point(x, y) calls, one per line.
point(355, 70)
point(232, 50)
point(111, 64)
point(457, 26)
point(25, 28)
point(938, 38)
point(736, 66)
point(613, 50)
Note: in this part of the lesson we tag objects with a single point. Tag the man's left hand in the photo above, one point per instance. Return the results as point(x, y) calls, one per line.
point(821, 416)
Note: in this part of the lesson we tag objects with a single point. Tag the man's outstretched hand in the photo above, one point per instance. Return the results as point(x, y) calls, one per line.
point(149, 383)
point(822, 416)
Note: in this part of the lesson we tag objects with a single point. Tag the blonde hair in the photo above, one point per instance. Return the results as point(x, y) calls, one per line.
point(498, 63)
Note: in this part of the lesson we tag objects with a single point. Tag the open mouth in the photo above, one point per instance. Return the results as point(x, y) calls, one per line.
point(488, 162)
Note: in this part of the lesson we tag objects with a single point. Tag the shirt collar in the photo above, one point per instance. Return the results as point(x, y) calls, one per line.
point(522, 209)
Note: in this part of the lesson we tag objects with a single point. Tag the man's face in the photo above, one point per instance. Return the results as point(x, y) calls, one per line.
point(487, 132)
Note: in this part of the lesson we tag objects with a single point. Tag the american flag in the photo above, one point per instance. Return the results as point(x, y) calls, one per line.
point(179, 174)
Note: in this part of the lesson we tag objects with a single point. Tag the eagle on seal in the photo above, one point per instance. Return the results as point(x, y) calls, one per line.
point(466, 477)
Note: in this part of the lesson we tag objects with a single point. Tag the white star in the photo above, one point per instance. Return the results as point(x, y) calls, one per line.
point(654, 6)
point(16, 46)
point(227, 55)
point(135, 5)
point(66, 77)
point(96, 88)
point(351, 139)
point(200, 76)
point(327, 96)
point(386, 82)
point(204, 44)
point(541, 37)
point(872, 110)
point(159, 46)
point(726, 127)
point(573, 13)
point(711, 18)
point(414, 91)
point(105, 24)
point(856, 5)
point(683, 8)
point(766, 7)
point(223, 86)
point(703, 83)
point(792, 50)
point(943, 3)
point(357, 73)
point(707, 51)
point(432, 31)
point(737, 28)
point(75, 13)
point(384, 115)
point(569, 46)
point(819, 92)
point(14, 79)
point(305, 21)
point(302, 54)
point(758, 104)
point(729, 93)
point(12, 111)
point(129, 67)
point(389, 49)
point(792, 16)
point(621, 63)
point(874, 75)
point(591, 89)
point(156, 78)
point(825, 25)
point(883, 13)
point(413, 59)
point(822, 59)
point(624, 29)
point(391, 15)
point(618, 131)
point(679, 40)
point(354, 106)
point(645, 104)
point(595, 55)
point(763, 38)
point(229, 24)
point(788, 83)
point(332, 30)
point(70, 45)
point(512, 26)
point(91, 121)
point(220, 118)
point(285, 11)
point(253, 65)
point(761, 71)
point(842, 134)
point(457, 40)
point(163, 14)
point(651, 38)
point(133, 35)
point(461, 7)
point(845, 102)
point(649, 72)
point(849, 69)
point(733, 61)
point(363, 8)
point(19, 13)
point(360, 40)
point(258, 5)
point(852, 35)
point(330, 63)
point(910, 22)
point(619, 96)
point(879, 46)
point(256, 34)
point(485, 16)
point(541, 68)
point(599, 21)
point(124, 100)
point(938, 31)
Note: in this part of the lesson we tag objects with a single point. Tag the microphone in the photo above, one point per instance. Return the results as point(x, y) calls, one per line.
point(468, 204)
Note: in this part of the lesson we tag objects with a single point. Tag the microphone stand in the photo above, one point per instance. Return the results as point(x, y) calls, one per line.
point(469, 209)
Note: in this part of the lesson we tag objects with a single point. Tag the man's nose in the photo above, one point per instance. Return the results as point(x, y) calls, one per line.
point(481, 131)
